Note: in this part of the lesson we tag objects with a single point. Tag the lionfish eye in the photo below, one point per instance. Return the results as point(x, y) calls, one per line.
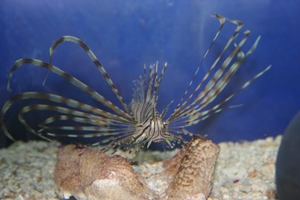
point(164, 124)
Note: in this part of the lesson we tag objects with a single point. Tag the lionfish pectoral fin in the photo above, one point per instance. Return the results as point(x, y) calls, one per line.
point(169, 143)
point(148, 144)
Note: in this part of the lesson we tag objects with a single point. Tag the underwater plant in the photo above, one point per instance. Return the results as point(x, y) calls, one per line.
point(138, 125)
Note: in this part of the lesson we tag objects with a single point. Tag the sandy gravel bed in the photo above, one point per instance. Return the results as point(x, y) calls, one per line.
point(244, 170)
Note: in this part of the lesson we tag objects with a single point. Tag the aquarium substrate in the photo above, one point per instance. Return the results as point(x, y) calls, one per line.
point(244, 170)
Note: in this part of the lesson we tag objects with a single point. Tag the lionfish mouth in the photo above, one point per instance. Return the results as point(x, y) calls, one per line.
point(135, 127)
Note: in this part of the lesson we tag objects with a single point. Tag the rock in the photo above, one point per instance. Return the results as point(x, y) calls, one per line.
point(194, 175)
point(288, 162)
point(89, 174)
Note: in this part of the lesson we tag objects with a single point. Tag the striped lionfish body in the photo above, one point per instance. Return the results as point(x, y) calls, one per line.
point(140, 124)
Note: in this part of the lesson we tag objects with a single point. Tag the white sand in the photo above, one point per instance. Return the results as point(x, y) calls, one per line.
point(246, 171)
point(243, 171)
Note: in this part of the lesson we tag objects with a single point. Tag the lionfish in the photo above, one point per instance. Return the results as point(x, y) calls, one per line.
point(138, 124)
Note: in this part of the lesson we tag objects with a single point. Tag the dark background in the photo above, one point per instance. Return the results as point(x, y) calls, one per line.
point(124, 35)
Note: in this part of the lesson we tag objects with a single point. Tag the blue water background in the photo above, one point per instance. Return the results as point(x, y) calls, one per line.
point(125, 35)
